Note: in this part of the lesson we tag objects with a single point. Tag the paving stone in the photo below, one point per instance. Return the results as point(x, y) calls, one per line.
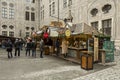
point(53, 68)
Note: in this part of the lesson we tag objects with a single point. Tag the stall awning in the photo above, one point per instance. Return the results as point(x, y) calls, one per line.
point(39, 32)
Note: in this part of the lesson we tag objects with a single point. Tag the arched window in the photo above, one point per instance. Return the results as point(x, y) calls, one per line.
point(27, 8)
point(106, 8)
point(4, 3)
point(94, 12)
point(32, 9)
point(27, 28)
point(11, 27)
point(4, 26)
point(11, 5)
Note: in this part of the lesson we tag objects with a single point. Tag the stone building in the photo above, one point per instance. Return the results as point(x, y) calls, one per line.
point(18, 18)
point(104, 15)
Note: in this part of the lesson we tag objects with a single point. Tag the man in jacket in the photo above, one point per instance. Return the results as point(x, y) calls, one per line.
point(17, 47)
point(9, 49)
point(41, 48)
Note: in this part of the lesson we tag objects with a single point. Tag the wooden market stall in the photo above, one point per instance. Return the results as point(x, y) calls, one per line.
point(83, 36)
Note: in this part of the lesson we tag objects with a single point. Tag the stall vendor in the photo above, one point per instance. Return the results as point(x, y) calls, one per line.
point(76, 44)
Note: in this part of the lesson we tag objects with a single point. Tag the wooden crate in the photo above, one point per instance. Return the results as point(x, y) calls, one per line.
point(46, 51)
point(87, 62)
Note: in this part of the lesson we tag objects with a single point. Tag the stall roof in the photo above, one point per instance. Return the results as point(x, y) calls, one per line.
point(84, 28)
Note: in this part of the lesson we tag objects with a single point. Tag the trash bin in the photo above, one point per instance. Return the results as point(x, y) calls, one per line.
point(87, 61)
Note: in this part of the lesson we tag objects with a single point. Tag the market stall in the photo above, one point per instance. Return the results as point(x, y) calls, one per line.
point(82, 40)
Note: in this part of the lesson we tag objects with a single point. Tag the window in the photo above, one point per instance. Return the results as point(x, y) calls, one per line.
point(32, 9)
point(32, 16)
point(50, 10)
point(53, 8)
point(33, 1)
point(27, 34)
point(4, 12)
point(4, 3)
point(106, 25)
point(27, 8)
point(11, 13)
point(70, 3)
point(4, 26)
point(28, 0)
point(27, 15)
point(27, 28)
point(11, 27)
point(11, 5)
point(94, 12)
point(4, 33)
point(64, 3)
point(106, 8)
point(11, 34)
point(43, 14)
point(95, 24)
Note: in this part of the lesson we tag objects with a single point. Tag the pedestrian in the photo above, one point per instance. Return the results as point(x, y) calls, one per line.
point(50, 44)
point(41, 48)
point(9, 48)
point(21, 44)
point(33, 47)
point(57, 47)
point(64, 47)
point(28, 46)
point(17, 47)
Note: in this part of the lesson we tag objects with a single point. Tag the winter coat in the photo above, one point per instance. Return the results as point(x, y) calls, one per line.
point(41, 45)
point(9, 46)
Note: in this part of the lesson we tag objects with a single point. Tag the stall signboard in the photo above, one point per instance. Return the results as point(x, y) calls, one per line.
point(95, 49)
point(56, 23)
point(53, 34)
point(109, 47)
point(67, 33)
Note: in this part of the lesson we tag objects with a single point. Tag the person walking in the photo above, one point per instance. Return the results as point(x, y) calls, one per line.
point(9, 48)
point(41, 48)
point(21, 44)
point(17, 47)
point(57, 47)
point(33, 47)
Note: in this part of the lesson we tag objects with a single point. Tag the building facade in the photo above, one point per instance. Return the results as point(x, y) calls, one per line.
point(104, 15)
point(18, 18)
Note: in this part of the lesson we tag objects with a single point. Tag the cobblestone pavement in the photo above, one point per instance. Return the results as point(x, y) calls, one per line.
point(53, 68)
point(111, 73)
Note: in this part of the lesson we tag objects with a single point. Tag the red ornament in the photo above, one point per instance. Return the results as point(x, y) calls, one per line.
point(45, 35)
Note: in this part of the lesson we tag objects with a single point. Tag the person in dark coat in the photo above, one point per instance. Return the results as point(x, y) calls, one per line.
point(9, 49)
point(57, 47)
point(28, 47)
point(41, 48)
point(17, 47)
point(33, 47)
